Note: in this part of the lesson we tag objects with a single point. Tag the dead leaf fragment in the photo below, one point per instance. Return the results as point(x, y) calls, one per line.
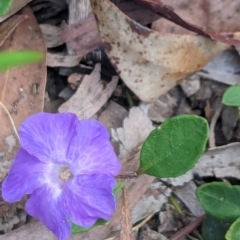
point(136, 128)
point(126, 222)
point(16, 6)
point(148, 62)
point(59, 60)
point(218, 16)
point(81, 37)
point(52, 35)
point(90, 96)
point(113, 115)
point(7, 27)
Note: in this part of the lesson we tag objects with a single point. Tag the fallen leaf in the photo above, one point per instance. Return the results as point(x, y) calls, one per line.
point(21, 94)
point(81, 37)
point(90, 96)
point(136, 128)
point(7, 27)
point(218, 16)
point(22, 89)
point(16, 6)
point(148, 62)
point(52, 35)
point(126, 222)
point(223, 68)
point(167, 12)
point(59, 60)
point(113, 115)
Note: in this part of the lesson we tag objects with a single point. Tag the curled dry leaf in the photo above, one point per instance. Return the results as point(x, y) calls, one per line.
point(90, 96)
point(126, 222)
point(21, 92)
point(150, 63)
point(16, 6)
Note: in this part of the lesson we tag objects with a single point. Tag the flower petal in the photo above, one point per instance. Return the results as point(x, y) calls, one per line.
point(47, 136)
point(46, 204)
point(90, 150)
point(90, 197)
point(27, 173)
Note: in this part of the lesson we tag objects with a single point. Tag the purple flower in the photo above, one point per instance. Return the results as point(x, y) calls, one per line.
point(68, 166)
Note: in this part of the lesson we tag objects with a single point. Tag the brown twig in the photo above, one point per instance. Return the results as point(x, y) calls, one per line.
point(188, 229)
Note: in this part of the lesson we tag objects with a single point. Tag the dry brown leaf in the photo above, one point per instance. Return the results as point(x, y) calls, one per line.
point(59, 60)
point(21, 94)
point(126, 222)
point(16, 6)
point(113, 115)
point(90, 96)
point(219, 15)
point(136, 128)
point(148, 62)
point(22, 89)
point(7, 27)
point(52, 35)
point(81, 37)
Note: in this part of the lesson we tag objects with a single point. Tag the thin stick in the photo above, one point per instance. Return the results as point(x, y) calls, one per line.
point(192, 226)
point(212, 127)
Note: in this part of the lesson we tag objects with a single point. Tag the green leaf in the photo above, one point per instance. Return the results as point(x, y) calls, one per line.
point(234, 231)
point(16, 59)
point(175, 147)
point(231, 97)
point(78, 229)
point(213, 229)
point(5, 6)
point(220, 200)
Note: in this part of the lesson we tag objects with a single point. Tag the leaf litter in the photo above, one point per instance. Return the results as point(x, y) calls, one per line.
point(145, 57)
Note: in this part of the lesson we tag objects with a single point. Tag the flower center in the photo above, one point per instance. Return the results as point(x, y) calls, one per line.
point(65, 174)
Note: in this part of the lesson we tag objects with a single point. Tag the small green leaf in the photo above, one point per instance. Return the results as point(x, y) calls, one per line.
point(231, 97)
point(175, 147)
point(5, 6)
point(220, 200)
point(234, 231)
point(16, 59)
point(213, 229)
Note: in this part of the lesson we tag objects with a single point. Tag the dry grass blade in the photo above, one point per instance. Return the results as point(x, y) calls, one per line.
point(126, 222)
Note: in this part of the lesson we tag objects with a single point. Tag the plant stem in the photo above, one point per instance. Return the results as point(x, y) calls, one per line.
point(175, 204)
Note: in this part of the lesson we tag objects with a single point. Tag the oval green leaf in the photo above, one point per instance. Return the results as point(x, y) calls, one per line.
point(175, 147)
point(16, 59)
point(220, 200)
point(213, 229)
point(5, 6)
point(234, 231)
point(231, 97)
